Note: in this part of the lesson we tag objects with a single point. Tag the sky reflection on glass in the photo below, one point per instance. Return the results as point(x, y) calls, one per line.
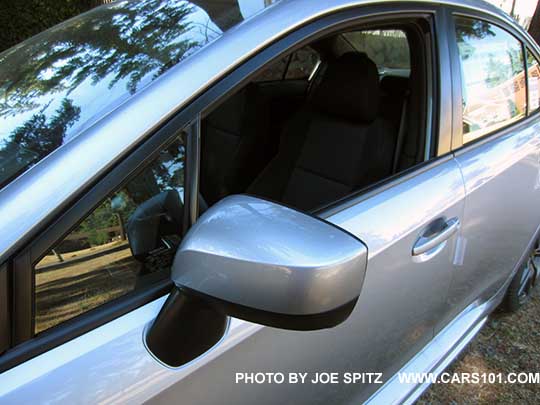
point(60, 82)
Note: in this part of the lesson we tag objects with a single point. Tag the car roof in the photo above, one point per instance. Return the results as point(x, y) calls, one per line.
point(35, 196)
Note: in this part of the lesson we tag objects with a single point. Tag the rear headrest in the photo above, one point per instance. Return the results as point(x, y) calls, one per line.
point(395, 85)
point(349, 88)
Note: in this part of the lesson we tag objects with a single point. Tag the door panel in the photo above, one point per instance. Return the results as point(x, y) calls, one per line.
point(502, 212)
point(400, 301)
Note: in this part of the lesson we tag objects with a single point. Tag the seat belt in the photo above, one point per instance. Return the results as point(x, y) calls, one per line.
point(401, 134)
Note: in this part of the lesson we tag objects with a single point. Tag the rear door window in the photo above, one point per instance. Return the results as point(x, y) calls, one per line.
point(492, 77)
point(533, 71)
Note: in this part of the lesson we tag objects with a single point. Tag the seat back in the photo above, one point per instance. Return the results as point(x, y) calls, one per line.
point(336, 144)
point(235, 142)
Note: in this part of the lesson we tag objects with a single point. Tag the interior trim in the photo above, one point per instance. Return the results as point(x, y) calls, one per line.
point(5, 322)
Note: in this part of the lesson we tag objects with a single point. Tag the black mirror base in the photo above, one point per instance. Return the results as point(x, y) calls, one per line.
point(186, 327)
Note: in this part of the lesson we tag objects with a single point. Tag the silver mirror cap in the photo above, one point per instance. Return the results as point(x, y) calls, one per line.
point(271, 264)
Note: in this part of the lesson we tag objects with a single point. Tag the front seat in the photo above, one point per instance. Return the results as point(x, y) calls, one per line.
point(236, 144)
point(335, 144)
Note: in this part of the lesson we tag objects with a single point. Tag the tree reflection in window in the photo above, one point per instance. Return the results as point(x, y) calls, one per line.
point(62, 80)
point(492, 77)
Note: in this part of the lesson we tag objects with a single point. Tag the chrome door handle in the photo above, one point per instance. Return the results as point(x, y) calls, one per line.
point(425, 243)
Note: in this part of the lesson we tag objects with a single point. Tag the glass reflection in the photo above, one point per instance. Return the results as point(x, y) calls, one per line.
point(126, 243)
point(493, 77)
point(533, 70)
point(61, 81)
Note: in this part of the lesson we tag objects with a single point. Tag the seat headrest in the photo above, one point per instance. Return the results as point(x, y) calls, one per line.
point(349, 88)
point(395, 85)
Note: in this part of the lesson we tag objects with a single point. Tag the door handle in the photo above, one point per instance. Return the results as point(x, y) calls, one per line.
point(425, 243)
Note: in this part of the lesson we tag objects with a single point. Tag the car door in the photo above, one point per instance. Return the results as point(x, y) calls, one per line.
point(498, 154)
point(410, 225)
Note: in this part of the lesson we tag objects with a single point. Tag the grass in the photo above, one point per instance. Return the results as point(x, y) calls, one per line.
point(66, 292)
point(508, 343)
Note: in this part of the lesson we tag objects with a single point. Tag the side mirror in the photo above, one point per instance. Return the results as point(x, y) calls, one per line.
point(265, 263)
point(154, 218)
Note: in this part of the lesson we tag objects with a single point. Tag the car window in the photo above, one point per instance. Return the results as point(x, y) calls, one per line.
point(58, 83)
point(389, 49)
point(274, 72)
point(302, 63)
point(297, 66)
point(533, 70)
point(125, 244)
point(493, 77)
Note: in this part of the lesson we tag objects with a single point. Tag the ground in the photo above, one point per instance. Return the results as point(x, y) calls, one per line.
point(508, 343)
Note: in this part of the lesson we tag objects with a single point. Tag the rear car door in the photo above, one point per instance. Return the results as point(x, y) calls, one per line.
point(496, 137)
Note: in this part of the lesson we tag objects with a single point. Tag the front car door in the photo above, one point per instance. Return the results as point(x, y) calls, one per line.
point(410, 225)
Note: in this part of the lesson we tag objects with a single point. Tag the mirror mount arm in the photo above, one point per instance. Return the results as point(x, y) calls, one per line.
point(185, 328)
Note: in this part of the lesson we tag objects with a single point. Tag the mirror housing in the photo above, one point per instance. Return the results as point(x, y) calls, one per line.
point(266, 263)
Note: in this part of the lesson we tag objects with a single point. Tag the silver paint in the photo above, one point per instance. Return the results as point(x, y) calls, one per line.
point(501, 212)
point(266, 256)
point(401, 302)
point(75, 165)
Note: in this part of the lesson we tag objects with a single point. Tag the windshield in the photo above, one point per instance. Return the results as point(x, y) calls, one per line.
point(63, 80)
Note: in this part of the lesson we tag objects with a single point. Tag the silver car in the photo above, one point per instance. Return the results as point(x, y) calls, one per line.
point(253, 201)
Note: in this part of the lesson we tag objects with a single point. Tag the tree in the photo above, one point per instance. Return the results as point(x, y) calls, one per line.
point(24, 18)
point(534, 28)
point(224, 13)
point(35, 139)
point(130, 42)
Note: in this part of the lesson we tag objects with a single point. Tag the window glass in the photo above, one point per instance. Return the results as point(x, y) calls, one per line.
point(493, 77)
point(56, 84)
point(274, 72)
point(389, 49)
point(299, 66)
point(125, 244)
point(533, 69)
point(302, 64)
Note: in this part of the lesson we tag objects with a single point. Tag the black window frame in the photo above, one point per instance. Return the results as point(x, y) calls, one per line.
point(534, 55)
point(23, 345)
point(457, 107)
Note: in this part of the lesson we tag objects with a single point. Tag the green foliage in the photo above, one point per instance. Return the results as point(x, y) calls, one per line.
point(25, 18)
point(468, 30)
point(126, 42)
point(35, 139)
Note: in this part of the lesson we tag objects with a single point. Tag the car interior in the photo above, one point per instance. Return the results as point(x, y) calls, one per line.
point(317, 125)
point(330, 119)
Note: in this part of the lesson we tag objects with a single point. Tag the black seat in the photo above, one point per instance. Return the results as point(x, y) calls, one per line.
point(394, 92)
point(335, 144)
point(236, 144)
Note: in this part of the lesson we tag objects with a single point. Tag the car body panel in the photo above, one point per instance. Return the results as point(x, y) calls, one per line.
point(502, 180)
point(108, 139)
point(403, 297)
point(117, 366)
